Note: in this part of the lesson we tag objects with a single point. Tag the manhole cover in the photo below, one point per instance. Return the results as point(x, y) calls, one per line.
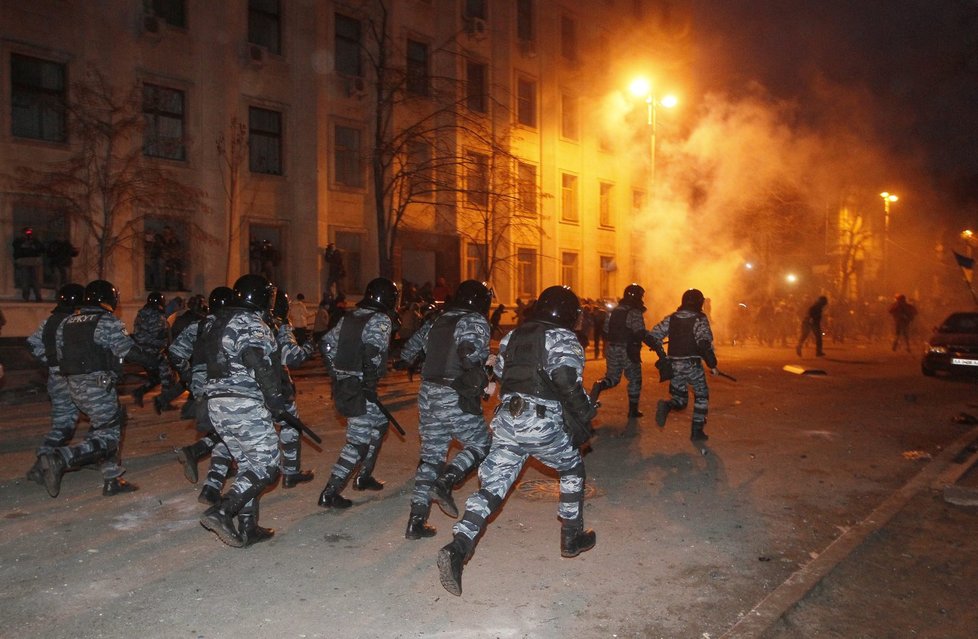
point(548, 490)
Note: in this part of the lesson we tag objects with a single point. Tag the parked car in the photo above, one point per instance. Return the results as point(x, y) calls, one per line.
point(953, 348)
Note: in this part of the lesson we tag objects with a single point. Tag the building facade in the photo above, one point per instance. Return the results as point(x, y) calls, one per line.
point(491, 137)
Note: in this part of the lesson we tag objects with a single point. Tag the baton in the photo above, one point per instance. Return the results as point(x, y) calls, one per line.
point(727, 375)
point(387, 414)
point(296, 423)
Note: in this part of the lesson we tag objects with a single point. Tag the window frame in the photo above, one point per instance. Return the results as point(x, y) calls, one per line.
point(476, 181)
point(606, 191)
point(266, 134)
point(417, 71)
point(41, 101)
point(350, 45)
point(570, 125)
point(350, 158)
point(526, 102)
point(152, 118)
point(265, 25)
point(526, 269)
point(477, 102)
point(569, 195)
point(570, 273)
point(527, 196)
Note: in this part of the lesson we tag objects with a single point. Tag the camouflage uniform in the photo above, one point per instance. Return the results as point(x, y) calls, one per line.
point(64, 413)
point(361, 338)
point(457, 354)
point(624, 327)
point(290, 353)
point(92, 384)
point(536, 430)
point(236, 404)
point(185, 354)
point(149, 333)
point(690, 339)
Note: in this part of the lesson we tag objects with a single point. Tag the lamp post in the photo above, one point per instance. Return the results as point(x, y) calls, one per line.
point(641, 88)
point(888, 198)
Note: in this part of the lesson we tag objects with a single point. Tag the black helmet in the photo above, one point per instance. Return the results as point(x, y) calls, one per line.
point(557, 305)
point(102, 293)
point(281, 310)
point(156, 299)
point(254, 292)
point(197, 306)
point(633, 296)
point(220, 297)
point(472, 295)
point(692, 300)
point(71, 296)
point(380, 295)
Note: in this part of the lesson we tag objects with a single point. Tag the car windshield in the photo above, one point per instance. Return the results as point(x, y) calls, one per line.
point(960, 323)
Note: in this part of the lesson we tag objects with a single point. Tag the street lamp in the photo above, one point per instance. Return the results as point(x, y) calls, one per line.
point(641, 88)
point(888, 198)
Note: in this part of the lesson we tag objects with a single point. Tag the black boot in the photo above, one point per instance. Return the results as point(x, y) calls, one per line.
point(633, 410)
point(209, 495)
point(35, 474)
point(331, 497)
point(53, 468)
point(189, 456)
point(367, 482)
point(697, 434)
point(117, 485)
point(574, 539)
point(417, 526)
point(596, 389)
point(661, 412)
point(290, 480)
point(441, 490)
point(137, 395)
point(220, 521)
point(451, 558)
point(251, 533)
point(160, 405)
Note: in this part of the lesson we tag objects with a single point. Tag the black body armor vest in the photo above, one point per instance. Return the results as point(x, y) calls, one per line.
point(218, 365)
point(49, 334)
point(618, 332)
point(441, 357)
point(682, 342)
point(525, 354)
point(349, 351)
point(80, 353)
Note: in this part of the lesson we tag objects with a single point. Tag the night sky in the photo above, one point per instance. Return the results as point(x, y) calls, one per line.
point(903, 73)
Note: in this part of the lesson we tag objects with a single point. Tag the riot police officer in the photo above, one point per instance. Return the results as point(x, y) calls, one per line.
point(191, 316)
point(64, 413)
point(625, 330)
point(355, 355)
point(149, 332)
point(90, 347)
point(544, 413)
point(453, 378)
point(244, 394)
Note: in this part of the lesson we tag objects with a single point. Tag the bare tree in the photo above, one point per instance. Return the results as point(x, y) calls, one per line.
point(106, 185)
point(232, 150)
point(852, 240)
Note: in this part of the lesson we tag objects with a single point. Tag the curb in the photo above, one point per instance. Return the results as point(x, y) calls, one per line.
point(946, 467)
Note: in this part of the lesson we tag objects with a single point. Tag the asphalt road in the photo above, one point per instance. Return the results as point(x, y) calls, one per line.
point(814, 514)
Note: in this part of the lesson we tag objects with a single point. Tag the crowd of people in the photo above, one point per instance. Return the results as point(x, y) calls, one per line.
point(33, 258)
point(231, 354)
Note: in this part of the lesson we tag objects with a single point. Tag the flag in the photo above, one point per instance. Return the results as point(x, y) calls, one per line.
point(967, 265)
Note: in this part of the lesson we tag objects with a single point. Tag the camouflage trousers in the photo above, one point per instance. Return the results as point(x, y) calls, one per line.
point(64, 413)
point(220, 464)
point(688, 374)
point(94, 394)
point(514, 440)
point(441, 421)
point(618, 363)
point(364, 436)
point(246, 427)
point(291, 443)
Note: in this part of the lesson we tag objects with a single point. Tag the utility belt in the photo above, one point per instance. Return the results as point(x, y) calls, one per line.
point(441, 381)
point(517, 405)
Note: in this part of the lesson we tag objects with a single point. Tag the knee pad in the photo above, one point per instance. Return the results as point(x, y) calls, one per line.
point(478, 454)
point(576, 471)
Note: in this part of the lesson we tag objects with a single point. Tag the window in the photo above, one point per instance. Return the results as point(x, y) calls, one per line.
point(606, 280)
point(349, 245)
point(605, 217)
point(526, 102)
point(264, 141)
point(172, 12)
point(477, 179)
point(568, 269)
point(265, 24)
point(526, 174)
point(638, 200)
point(419, 167)
point(163, 112)
point(417, 80)
point(526, 273)
point(568, 197)
point(347, 162)
point(475, 9)
point(568, 116)
point(568, 39)
point(165, 264)
point(474, 260)
point(37, 99)
point(476, 78)
point(524, 20)
point(347, 43)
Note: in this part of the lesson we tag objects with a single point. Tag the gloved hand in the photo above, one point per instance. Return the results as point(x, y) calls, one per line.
point(714, 371)
point(491, 360)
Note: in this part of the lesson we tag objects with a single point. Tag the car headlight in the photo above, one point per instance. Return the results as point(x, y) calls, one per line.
point(937, 350)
